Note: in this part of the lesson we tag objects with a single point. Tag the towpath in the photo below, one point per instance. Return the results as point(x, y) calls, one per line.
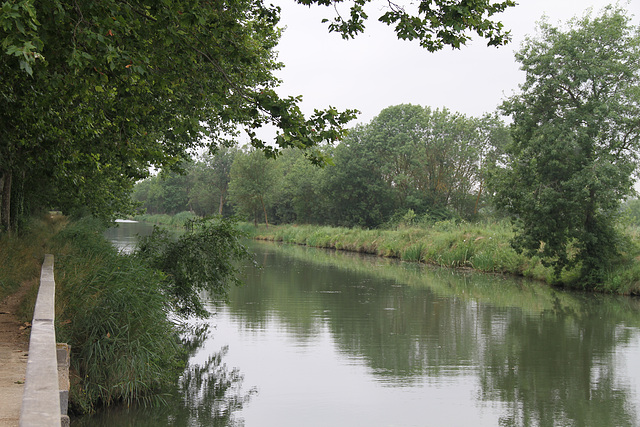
point(14, 345)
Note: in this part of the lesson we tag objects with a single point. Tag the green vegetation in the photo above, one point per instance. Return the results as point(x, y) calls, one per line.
point(433, 162)
point(481, 247)
point(111, 309)
point(21, 256)
point(96, 93)
point(199, 260)
point(122, 314)
point(561, 175)
point(574, 154)
point(175, 221)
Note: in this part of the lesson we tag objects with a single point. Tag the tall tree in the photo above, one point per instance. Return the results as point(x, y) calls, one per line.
point(212, 174)
point(116, 87)
point(431, 159)
point(94, 93)
point(300, 196)
point(253, 178)
point(358, 192)
point(576, 135)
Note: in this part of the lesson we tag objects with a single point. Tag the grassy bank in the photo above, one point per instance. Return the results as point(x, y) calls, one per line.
point(482, 247)
point(109, 308)
point(21, 257)
point(112, 311)
point(177, 220)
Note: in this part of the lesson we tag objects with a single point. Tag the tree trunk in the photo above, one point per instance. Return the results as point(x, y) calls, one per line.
point(221, 203)
point(5, 209)
point(475, 209)
point(265, 212)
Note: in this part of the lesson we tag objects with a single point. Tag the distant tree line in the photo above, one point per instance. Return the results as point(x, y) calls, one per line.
point(563, 171)
point(432, 162)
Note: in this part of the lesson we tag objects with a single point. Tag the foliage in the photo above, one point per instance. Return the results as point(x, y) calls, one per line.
point(299, 195)
point(252, 177)
point(94, 93)
point(358, 194)
point(211, 176)
point(21, 255)
point(110, 308)
point(575, 142)
point(409, 157)
point(434, 24)
point(631, 212)
point(113, 88)
point(201, 259)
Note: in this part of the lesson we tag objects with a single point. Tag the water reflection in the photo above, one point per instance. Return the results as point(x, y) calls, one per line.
point(524, 354)
point(208, 394)
point(331, 338)
point(124, 235)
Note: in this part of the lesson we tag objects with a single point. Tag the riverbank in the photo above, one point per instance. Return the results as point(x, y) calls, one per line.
point(481, 247)
point(21, 259)
point(14, 346)
point(109, 308)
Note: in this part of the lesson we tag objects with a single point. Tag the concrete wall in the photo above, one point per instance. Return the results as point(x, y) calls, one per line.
point(41, 399)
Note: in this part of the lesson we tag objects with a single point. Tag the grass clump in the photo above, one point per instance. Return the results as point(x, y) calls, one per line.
point(112, 311)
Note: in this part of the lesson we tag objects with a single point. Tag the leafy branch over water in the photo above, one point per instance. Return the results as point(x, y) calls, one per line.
point(202, 259)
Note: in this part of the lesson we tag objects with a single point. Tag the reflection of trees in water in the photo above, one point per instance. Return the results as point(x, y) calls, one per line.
point(212, 393)
point(548, 356)
point(208, 394)
point(559, 369)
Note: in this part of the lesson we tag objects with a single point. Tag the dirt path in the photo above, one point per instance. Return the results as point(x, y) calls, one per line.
point(14, 344)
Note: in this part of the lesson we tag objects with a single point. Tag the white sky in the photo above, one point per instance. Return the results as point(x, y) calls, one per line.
point(376, 70)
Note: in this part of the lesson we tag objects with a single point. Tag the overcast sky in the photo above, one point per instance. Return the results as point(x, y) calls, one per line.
point(376, 70)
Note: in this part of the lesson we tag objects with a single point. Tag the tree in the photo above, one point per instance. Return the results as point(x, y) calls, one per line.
point(359, 195)
point(94, 93)
point(212, 174)
point(204, 258)
point(253, 177)
point(300, 197)
point(430, 159)
point(112, 88)
point(576, 135)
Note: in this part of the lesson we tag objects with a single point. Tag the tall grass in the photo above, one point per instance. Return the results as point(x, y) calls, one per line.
point(446, 243)
point(21, 255)
point(111, 310)
point(483, 247)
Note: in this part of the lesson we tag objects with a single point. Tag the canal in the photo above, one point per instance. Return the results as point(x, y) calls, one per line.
point(326, 338)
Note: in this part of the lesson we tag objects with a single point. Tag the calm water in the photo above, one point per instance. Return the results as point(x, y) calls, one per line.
point(321, 338)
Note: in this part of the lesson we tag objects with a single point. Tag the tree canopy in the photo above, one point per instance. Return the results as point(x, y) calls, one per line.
point(96, 93)
point(576, 136)
point(431, 162)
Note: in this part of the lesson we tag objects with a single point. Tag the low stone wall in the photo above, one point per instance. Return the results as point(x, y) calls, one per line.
point(42, 398)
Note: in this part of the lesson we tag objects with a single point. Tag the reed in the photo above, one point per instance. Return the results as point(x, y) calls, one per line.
point(111, 310)
point(483, 247)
